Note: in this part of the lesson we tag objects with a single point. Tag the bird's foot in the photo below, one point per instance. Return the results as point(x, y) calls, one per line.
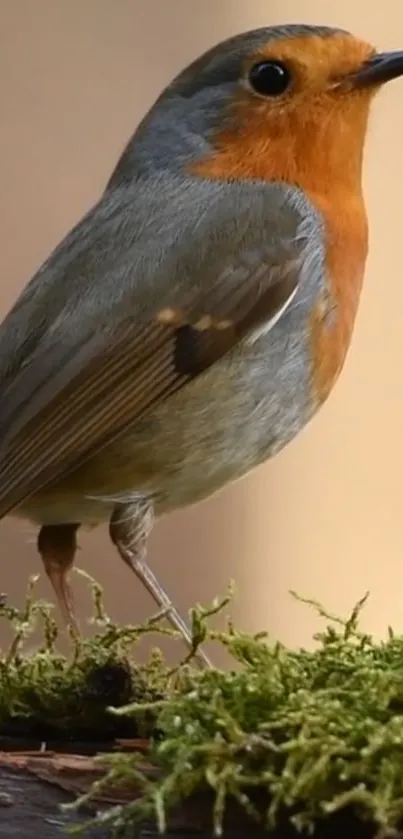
point(129, 533)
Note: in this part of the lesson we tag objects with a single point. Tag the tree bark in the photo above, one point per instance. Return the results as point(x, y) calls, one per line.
point(34, 785)
point(30, 807)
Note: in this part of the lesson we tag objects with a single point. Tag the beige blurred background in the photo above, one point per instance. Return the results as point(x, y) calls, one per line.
point(326, 516)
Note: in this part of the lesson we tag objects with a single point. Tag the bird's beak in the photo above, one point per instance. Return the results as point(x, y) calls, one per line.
point(380, 68)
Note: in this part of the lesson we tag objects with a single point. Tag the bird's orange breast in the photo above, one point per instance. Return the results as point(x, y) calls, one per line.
point(320, 151)
point(346, 252)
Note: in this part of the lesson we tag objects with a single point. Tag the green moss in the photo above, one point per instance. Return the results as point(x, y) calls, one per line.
point(314, 731)
point(46, 695)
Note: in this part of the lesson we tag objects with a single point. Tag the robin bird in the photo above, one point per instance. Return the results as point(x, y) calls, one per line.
point(196, 318)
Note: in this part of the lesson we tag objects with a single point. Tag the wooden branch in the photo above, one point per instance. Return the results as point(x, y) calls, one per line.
point(33, 785)
point(30, 808)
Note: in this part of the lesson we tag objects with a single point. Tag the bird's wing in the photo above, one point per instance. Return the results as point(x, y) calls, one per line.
point(116, 321)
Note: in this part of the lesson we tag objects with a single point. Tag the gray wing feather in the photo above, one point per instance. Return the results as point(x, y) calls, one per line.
point(90, 314)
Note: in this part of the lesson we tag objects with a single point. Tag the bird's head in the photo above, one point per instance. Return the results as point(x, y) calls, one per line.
point(286, 102)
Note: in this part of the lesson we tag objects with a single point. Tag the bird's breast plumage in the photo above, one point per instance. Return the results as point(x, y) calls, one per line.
point(332, 318)
point(243, 409)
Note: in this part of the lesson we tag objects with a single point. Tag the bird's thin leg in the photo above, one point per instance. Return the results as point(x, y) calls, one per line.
point(129, 528)
point(57, 545)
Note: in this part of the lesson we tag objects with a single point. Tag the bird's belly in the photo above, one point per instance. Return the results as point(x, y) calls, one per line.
point(62, 505)
point(211, 433)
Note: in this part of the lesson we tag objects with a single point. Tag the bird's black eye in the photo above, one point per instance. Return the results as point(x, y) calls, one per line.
point(269, 78)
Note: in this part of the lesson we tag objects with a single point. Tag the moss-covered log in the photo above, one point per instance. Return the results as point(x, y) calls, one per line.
point(317, 734)
point(33, 791)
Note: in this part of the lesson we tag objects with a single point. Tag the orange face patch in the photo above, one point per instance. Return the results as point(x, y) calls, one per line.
point(312, 137)
point(311, 134)
point(317, 62)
